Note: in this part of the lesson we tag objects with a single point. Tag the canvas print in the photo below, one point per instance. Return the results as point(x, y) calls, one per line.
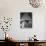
point(26, 20)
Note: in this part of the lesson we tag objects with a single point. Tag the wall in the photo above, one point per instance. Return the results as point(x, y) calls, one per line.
point(12, 8)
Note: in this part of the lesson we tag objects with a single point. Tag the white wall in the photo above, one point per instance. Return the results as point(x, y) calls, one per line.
point(12, 8)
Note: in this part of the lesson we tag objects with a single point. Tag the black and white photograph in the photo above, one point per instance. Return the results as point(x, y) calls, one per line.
point(26, 20)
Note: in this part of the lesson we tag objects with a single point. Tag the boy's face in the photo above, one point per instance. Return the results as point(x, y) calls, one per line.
point(34, 35)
